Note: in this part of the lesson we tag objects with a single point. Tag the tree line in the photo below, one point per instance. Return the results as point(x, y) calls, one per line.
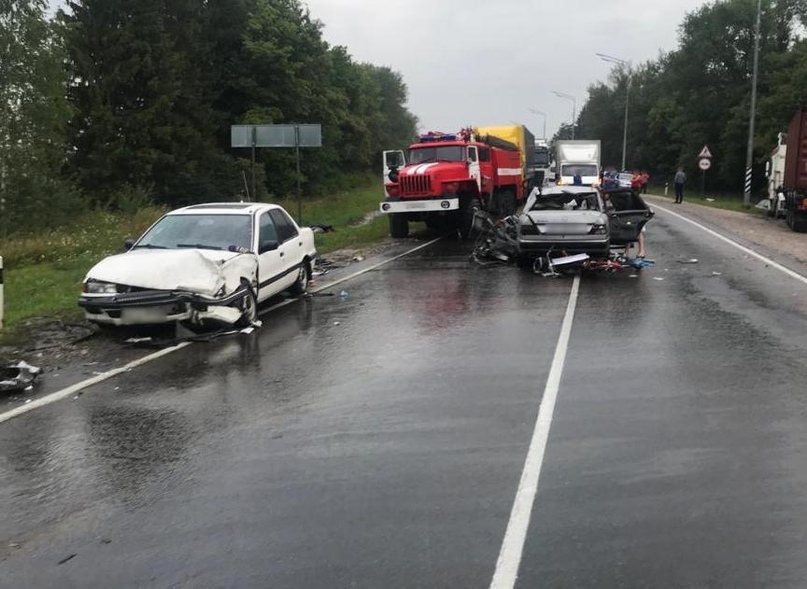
point(122, 103)
point(700, 94)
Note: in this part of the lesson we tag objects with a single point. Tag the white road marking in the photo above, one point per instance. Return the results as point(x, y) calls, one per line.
point(506, 572)
point(72, 390)
point(739, 246)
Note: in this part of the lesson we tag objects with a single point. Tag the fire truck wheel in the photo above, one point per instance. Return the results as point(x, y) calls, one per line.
point(398, 225)
point(467, 218)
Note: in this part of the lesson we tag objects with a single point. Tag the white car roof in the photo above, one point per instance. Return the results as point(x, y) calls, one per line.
point(225, 208)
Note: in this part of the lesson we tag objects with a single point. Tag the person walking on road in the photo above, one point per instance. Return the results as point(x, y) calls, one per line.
point(679, 180)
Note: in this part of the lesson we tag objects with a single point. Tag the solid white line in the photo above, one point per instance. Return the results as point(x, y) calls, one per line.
point(740, 247)
point(513, 545)
point(71, 390)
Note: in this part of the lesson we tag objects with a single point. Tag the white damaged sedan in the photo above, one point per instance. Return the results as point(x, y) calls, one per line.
point(207, 263)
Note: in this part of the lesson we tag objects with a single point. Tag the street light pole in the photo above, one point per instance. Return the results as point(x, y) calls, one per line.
point(574, 107)
point(543, 114)
point(622, 62)
point(749, 154)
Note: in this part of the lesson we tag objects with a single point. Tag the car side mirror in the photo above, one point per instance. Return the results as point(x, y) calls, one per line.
point(268, 245)
point(128, 243)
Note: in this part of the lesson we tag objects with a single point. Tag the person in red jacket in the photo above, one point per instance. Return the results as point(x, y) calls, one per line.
point(645, 180)
point(636, 181)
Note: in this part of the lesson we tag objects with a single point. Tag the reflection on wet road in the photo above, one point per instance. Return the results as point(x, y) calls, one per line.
point(377, 440)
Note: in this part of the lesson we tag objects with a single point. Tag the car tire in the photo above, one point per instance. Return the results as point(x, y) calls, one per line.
point(398, 225)
point(799, 224)
point(300, 286)
point(249, 307)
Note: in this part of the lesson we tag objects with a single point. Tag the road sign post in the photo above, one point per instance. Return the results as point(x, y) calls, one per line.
point(296, 136)
point(704, 163)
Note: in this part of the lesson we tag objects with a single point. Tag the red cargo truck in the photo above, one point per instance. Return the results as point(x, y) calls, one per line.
point(794, 179)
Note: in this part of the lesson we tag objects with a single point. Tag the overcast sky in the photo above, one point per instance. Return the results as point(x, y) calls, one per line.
point(469, 62)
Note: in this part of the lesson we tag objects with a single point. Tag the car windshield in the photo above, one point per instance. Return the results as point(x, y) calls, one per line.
point(568, 201)
point(446, 153)
point(203, 231)
point(580, 169)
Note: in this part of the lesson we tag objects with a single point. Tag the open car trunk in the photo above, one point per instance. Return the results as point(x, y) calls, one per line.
point(627, 215)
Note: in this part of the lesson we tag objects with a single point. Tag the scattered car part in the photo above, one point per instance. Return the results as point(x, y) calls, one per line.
point(18, 376)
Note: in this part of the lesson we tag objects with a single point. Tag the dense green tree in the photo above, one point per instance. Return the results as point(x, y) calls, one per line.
point(700, 93)
point(33, 115)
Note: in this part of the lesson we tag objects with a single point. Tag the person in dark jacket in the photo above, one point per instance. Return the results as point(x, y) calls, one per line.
point(679, 180)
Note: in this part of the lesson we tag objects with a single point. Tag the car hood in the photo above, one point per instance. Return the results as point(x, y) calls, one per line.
point(198, 271)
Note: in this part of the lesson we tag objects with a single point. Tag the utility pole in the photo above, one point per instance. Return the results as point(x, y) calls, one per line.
point(749, 154)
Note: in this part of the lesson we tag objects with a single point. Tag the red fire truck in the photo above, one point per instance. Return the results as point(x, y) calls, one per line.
point(447, 176)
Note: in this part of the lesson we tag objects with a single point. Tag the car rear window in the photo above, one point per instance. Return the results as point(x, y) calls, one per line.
point(586, 201)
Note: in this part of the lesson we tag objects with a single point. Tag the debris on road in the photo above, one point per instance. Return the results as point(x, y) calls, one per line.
point(18, 376)
point(689, 261)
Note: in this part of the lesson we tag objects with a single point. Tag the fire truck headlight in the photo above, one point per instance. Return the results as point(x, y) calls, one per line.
point(445, 204)
point(385, 206)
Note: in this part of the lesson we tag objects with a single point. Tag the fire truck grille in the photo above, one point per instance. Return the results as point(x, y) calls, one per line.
point(411, 185)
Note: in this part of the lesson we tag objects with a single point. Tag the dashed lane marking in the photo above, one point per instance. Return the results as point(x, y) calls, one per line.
point(506, 573)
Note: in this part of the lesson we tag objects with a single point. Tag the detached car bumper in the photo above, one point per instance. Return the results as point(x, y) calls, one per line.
point(151, 307)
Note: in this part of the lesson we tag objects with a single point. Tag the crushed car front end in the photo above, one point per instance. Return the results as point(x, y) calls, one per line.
point(150, 287)
point(138, 306)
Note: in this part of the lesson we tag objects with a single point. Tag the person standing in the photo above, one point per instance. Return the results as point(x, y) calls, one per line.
point(679, 180)
point(645, 180)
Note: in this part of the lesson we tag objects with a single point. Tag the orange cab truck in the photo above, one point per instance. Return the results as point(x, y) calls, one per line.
point(447, 176)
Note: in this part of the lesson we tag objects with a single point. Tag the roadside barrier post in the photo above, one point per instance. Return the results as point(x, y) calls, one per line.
point(666, 188)
point(1, 292)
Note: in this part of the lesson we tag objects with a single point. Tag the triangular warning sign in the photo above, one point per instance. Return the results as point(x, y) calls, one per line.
point(705, 152)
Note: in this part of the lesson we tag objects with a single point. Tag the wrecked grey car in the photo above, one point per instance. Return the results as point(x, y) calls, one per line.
point(568, 220)
point(563, 220)
point(201, 264)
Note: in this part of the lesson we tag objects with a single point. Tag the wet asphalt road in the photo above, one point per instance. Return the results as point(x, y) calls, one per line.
point(378, 440)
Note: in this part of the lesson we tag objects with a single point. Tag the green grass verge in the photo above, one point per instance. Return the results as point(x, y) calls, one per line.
point(43, 273)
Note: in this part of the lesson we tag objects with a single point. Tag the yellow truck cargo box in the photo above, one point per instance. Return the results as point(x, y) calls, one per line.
point(516, 134)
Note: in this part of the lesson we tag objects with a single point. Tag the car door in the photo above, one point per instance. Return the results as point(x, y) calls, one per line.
point(271, 259)
point(627, 215)
point(291, 247)
point(393, 160)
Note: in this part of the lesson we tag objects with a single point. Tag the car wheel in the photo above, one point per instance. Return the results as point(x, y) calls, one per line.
point(300, 286)
point(799, 224)
point(249, 308)
point(398, 225)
